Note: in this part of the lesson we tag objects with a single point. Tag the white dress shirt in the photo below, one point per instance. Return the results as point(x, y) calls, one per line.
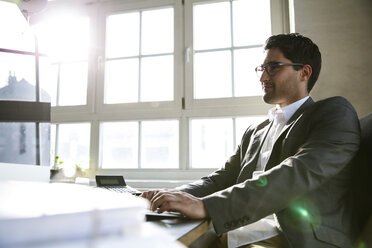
point(266, 227)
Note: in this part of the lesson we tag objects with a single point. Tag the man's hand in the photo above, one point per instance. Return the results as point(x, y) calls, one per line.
point(149, 194)
point(182, 202)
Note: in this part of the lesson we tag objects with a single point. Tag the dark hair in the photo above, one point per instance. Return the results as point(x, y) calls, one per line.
point(298, 49)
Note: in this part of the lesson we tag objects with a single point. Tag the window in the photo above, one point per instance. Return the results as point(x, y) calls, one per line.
point(72, 142)
point(65, 39)
point(213, 140)
point(144, 144)
point(18, 76)
point(227, 46)
point(139, 56)
point(24, 105)
point(159, 87)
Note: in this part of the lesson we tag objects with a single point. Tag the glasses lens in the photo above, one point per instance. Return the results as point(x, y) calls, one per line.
point(259, 70)
point(271, 67)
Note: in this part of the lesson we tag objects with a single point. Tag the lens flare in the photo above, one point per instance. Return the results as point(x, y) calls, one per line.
point(303, 215)
point(361, 245)
point(261, 181)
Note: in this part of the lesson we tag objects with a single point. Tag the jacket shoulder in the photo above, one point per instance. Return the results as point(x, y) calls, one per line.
point(336, 100)
point(336, 104)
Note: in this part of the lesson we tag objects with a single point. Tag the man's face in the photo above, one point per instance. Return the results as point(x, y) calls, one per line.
point(283, 85)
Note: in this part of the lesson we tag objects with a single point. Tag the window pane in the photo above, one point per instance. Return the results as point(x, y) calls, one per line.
point(73, 146)
point(52, 144)
point(211, 142)
point(64, 38)
point(17, 143)
point(73, 84)
point(119, 145)
point(159, 144)
point(48, 76)
point(45, 143)
point(246, 81)
point(252, 22)
point(157, 31)
point(212, 25)
point(15, 32)
point(122, 35)
point(157, 78)
point(17, 77)
point(242, 123)
point(121, 81)
point(212, 72)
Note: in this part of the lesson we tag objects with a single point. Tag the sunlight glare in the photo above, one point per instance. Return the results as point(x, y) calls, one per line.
point(15, 31)
point(64, 38)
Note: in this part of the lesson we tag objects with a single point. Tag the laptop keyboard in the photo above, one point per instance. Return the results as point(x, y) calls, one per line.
point(121, 189)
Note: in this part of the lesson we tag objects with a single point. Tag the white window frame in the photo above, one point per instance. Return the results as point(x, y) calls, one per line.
point(279, 24)
point(182, 108)
point(128, 6)
point(78, 7)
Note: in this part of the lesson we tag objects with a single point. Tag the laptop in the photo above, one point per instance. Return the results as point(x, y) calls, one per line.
point(116, 184)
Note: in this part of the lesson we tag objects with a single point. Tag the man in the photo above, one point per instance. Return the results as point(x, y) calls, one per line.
point(294, 166)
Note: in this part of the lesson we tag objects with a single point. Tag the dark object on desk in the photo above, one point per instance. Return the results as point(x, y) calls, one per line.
point(116, 184)
point(151, 216)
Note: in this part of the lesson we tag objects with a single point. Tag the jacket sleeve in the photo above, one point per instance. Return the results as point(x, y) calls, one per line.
point(328, 137)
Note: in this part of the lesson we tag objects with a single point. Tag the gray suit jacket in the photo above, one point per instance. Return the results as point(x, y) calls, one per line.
point(306, 181)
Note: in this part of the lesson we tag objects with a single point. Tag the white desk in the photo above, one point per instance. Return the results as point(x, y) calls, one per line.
point(68, 215)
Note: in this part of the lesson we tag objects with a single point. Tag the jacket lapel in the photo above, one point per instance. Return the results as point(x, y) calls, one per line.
point(301, 109)
point(290, 123)
point(251, 156)
point(294, 117)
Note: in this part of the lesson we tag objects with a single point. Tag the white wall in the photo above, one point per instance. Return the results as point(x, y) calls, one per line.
point(343, 31)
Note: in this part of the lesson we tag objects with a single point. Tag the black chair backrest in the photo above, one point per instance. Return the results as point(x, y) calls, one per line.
point(362, 183)
point(366, 155)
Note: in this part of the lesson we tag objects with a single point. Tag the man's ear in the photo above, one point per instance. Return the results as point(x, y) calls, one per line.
point(306, 72)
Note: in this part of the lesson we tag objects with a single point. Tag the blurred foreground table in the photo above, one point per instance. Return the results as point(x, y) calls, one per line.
point(191, 233)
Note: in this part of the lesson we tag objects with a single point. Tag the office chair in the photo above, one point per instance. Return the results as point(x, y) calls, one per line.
point(362, 185)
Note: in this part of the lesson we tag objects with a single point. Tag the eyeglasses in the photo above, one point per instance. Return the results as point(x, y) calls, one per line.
point(271, 68)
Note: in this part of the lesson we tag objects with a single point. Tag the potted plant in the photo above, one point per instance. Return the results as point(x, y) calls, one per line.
point(56, 169)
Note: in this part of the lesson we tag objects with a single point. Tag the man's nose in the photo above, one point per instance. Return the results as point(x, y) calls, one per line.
point(264, 76)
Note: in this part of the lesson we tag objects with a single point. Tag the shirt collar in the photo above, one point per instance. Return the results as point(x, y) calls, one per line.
point(286, 111)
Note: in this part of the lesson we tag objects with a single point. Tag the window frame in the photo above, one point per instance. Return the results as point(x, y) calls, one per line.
point(163, 106)
point(183, 107)
point(83, 8)
point(279, 24)
point(34, 111)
